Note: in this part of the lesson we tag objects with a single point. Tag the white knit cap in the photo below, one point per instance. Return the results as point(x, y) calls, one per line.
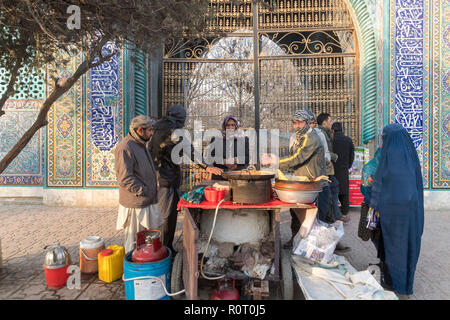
point(141, 121)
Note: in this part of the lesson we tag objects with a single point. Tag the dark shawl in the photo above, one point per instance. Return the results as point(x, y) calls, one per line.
point(397, 193)
point(232, 141)
point(176, 115)
point(161, 146)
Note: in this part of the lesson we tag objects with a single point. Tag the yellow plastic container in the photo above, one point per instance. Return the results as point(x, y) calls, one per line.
point(110, 263)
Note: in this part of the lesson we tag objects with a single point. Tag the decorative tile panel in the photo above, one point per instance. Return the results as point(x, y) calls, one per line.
point(21, 111)
point(33, 84)
point(65, 131)
point(27, 167)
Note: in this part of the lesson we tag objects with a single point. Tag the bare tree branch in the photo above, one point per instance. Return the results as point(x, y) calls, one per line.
point(36, 30)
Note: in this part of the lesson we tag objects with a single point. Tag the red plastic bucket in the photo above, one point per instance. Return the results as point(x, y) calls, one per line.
point(221, 194)
point(214, 195)
point(210, 194)
point(56, 278)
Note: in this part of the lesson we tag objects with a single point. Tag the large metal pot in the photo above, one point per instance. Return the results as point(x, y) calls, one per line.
point(250, 186)
point(248, 175)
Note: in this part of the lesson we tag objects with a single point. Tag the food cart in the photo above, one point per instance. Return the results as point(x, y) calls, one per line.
point(185, 269)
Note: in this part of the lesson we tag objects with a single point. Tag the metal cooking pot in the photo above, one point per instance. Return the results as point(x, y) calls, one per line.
point(56, 256)
point(248, 175)
point(250, 186)
point(291, 196)
point(292, 185)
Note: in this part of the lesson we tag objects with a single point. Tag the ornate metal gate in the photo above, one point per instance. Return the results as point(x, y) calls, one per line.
point(299, 53)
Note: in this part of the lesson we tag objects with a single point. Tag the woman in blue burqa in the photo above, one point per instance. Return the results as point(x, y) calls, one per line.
point(397, 194)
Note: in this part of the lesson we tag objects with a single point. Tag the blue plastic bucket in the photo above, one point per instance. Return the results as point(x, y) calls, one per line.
point(147, 288)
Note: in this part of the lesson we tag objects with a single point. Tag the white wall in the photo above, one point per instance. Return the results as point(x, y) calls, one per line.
point(81, 197)
point(437, 200)
point(21, 192)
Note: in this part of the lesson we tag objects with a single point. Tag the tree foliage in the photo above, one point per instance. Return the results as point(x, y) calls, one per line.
point(32, 31)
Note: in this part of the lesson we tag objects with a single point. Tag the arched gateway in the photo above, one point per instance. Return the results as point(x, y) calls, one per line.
point(276, 57)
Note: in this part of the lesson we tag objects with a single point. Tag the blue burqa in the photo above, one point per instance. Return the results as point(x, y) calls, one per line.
point(397, 193)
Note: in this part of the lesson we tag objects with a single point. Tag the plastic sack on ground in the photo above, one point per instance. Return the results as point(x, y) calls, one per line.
point(320, 243)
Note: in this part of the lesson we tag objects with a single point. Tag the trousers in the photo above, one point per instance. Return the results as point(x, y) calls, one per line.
point(334, 188)
point(168, 198)
point(323, 203)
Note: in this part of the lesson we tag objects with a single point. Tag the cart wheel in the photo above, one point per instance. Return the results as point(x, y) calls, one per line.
point(287, 280)
point(176, 279)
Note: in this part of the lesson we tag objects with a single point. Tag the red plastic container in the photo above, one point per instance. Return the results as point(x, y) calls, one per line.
point(214, 195)
point(220, 194)
point(210, 194)
point(56, 278)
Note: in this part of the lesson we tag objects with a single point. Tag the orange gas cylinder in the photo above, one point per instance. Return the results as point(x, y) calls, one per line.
point(152, 250)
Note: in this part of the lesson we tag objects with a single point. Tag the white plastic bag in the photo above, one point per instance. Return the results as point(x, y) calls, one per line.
point(320, 243)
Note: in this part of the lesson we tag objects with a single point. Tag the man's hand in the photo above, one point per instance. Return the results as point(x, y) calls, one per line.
point(214, 170)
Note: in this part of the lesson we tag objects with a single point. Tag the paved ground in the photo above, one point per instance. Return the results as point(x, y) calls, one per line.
point(27, 229)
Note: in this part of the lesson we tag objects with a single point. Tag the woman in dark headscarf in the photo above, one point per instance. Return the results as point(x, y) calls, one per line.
point(397, 194)
point(233, 139)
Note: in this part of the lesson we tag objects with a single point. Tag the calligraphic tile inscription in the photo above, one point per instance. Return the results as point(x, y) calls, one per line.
point(409, 68)
point(409, 72)
point(65, 130)
point(104, 119)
